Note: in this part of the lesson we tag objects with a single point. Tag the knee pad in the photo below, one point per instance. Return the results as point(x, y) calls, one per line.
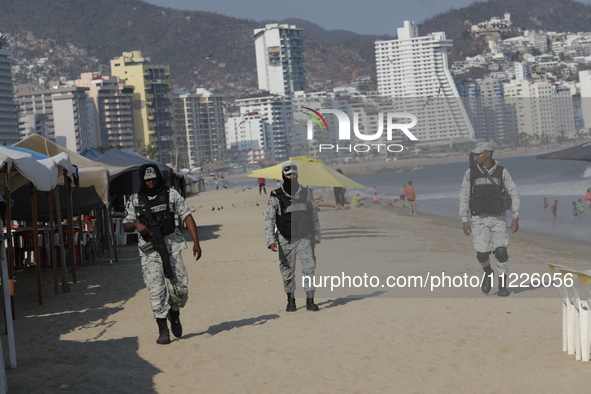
point(482, 257)
point(501, 254)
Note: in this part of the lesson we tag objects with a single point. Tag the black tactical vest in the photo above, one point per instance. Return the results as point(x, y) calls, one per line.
point(295, 219)
point(485, 198)
point(160, 211)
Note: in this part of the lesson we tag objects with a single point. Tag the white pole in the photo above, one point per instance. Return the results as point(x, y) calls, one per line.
point(7, 310)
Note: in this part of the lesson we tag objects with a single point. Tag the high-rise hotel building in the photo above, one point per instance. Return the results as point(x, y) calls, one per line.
point(280, 59)
point(153, 117)
point(112, 102)
point(8, 112)
point(415, 68)
point(200, 128)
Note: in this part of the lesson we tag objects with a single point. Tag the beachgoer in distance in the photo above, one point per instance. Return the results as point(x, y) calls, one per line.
point(167, 295)
point(554, 208)
point(411, 196)
point(375, 198)
point(481, 199)
point(403, 193)
point(291, 210)
point(262, 184)
point(581, 207)
point(546, 204)
point(339, 195)
point(575, 210)
point(588, 198)
point(357, 201)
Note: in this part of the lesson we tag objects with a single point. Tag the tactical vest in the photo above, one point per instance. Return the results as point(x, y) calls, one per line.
point(486, 198)
point(161, 212)
point(295, 219)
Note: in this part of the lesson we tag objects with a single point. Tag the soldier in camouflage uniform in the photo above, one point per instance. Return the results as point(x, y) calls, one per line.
point(481, 198)
point(167, 296)
point(291, 209)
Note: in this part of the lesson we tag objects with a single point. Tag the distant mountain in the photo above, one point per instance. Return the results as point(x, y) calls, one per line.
point(103, 29)
point(106, 28)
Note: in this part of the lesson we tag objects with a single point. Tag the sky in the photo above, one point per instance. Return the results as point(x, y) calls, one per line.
point(360, 16)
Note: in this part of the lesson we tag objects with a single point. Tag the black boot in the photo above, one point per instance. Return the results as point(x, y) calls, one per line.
point(487, 281)
point(311, 306)
point(175, 323)
point(164, 338)
point(291, 306)
point(503, 292)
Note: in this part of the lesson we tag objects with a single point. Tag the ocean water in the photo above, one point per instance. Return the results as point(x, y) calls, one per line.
point(438, 191)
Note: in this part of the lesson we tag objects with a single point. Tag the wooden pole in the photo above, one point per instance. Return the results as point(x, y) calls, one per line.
point(81, 238)
point(109, 233)
point(60, 230)
point(52, 255)
point(70, 226)
point(36, 242)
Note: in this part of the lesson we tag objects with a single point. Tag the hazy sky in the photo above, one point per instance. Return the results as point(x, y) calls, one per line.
point(361, 16)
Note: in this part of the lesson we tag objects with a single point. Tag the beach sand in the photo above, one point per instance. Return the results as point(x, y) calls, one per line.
point(100, 337)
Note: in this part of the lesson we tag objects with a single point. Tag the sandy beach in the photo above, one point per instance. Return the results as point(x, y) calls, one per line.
point(100, 337)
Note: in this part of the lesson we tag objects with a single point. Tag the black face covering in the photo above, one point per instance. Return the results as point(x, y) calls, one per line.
point(290, 184)
point(160, 185)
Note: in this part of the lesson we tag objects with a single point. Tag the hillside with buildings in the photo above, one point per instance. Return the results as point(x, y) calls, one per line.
point(75, 36)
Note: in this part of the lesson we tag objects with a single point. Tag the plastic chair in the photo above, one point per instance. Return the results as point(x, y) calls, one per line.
point(26, 245)
point(555, 269)
point(77, 250)
point(578, 318)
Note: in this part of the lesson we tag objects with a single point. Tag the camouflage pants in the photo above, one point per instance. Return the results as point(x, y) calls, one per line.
point(288, 252)
point(489, 233)
point(164, 292)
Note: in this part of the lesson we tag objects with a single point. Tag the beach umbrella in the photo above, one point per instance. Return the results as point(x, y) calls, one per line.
point(581, 152)
point(311, 172)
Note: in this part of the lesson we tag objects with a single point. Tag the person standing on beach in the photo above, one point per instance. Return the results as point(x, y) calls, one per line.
point(411, 196)
point(481, 197)
point(554, 208)
point(292, 229)
point(588, 198)
point(339, 194)
point(262, 185)
point(167, 293)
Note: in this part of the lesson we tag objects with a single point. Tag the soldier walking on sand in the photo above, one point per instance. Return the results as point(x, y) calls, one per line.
point(481, 197)
point(291, 210)
point(157, 203)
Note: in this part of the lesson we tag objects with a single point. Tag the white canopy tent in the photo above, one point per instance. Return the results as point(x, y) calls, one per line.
point(91, 173)
point(20, 168)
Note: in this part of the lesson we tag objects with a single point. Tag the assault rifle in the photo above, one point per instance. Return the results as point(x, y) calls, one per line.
point(157, 242)
point(472, 169)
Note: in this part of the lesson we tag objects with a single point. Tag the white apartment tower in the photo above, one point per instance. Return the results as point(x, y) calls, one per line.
point(64, 115)
point(543, 111)
point(276, 113)
point(201, 134)
point(585, 80)
point(415, 68)
point(8, 112)
point(113, 112)
point(280, 59)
